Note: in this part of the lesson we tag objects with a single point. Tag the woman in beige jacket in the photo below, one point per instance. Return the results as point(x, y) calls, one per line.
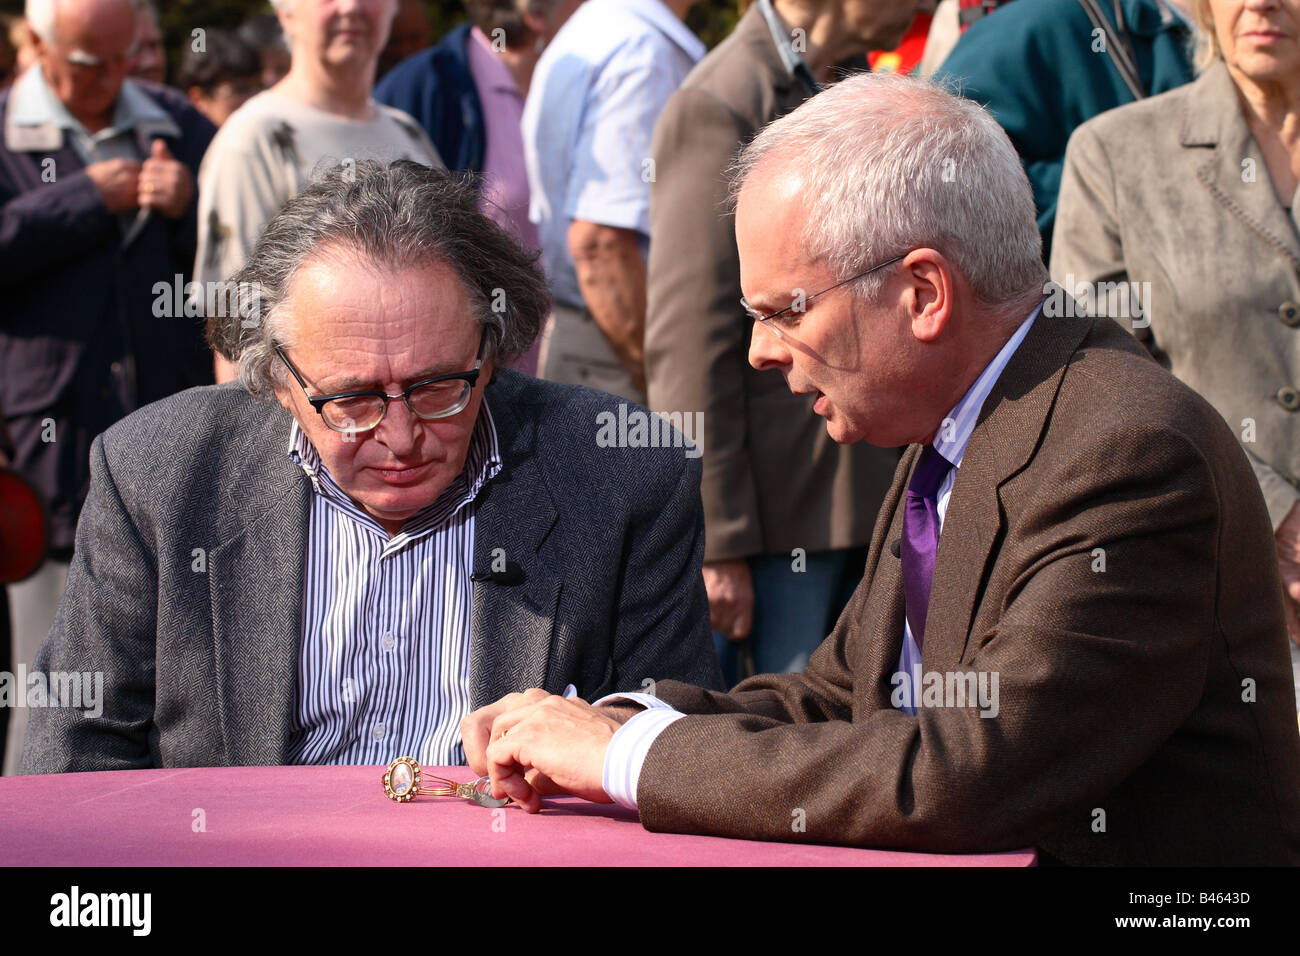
point(1177, 218)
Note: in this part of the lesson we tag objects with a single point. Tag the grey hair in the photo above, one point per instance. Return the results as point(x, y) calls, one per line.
point(398, 216)
point(40, 16)
point(891, 163)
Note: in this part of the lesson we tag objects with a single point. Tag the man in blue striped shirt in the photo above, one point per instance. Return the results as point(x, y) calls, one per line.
point(375, 530)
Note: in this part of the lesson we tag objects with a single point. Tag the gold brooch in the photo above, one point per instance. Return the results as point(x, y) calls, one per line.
point(404, 781)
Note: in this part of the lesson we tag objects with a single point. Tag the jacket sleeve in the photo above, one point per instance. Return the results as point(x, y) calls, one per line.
point(697, 336)
point(436, 89)
point(822, 692)
point(1081, 700)
point(662, 627)
point(49, 226)
point(105, 626)
point(197, 133)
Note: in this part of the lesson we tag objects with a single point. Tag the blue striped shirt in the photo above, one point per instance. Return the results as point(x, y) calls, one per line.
point(383, 658)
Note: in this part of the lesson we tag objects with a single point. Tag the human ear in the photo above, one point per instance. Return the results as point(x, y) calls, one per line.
point(928, 294)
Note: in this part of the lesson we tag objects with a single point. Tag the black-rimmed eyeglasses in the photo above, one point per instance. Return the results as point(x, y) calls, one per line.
point(429, 399)
point(798, 305)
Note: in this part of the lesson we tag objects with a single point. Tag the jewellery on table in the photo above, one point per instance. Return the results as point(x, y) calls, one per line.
point(404, 781)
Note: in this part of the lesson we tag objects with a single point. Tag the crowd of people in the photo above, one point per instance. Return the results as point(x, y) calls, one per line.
point(399, 512)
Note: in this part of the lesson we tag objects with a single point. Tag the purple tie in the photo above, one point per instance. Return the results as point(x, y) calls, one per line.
point(921, 537)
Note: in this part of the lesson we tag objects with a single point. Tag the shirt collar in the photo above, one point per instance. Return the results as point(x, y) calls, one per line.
point(486, 65)
point(482, 463)
point(954, 434)
point(794, 64)
point(37, 118)
point(666, 22)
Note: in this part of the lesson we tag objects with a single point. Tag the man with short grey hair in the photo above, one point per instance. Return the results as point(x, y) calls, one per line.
point(97, 209)
point(787, 512)
point(380, 527)
point(1069, 634)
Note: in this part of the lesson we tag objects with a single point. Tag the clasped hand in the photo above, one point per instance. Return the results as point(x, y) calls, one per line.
point(535, 744)
point(161, 182)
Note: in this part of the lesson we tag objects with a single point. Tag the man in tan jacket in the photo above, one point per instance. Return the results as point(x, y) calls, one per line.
point(1069, 634)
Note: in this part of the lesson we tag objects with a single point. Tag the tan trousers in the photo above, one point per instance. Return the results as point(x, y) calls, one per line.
point(576, 352)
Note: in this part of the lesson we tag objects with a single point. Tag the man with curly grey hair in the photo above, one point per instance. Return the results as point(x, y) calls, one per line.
point(378, 527)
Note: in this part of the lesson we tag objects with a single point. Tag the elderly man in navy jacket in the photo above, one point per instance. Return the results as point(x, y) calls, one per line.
point(97, 225)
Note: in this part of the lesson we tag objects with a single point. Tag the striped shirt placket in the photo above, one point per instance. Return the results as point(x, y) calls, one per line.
point(383, 665)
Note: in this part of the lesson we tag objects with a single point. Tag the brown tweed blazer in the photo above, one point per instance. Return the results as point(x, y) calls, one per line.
point(1145, 711)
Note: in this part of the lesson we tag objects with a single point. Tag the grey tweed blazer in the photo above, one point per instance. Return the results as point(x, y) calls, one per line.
point(200, 667)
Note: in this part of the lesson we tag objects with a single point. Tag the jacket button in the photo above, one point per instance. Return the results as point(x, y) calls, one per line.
point(1289, 313)
point(1288, 398)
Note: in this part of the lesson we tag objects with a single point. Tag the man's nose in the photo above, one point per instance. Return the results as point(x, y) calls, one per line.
point(400, 430)
point(766, 348)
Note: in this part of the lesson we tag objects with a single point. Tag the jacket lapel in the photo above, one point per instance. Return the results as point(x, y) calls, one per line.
point(1010, 424)
point(255, 586)
point(1235, 172)
point(513, 624)
point(878, 653)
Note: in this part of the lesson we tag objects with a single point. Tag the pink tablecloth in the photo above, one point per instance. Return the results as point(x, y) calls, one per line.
point(327, 816)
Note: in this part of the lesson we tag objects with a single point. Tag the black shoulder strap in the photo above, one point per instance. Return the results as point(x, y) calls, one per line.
point(1118, 45)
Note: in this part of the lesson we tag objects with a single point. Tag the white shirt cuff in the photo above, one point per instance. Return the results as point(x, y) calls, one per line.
point(628, 747)
point(648, 701)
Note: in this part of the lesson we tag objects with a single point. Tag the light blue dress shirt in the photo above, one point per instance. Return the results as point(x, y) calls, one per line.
point(589, 120)
point(630, 744)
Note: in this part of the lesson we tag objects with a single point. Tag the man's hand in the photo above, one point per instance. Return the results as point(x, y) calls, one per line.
point(538, 743)
point(118, 182)
point(730, 586)
point(476, 729)
point(1287, 539)
point(165, 183)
